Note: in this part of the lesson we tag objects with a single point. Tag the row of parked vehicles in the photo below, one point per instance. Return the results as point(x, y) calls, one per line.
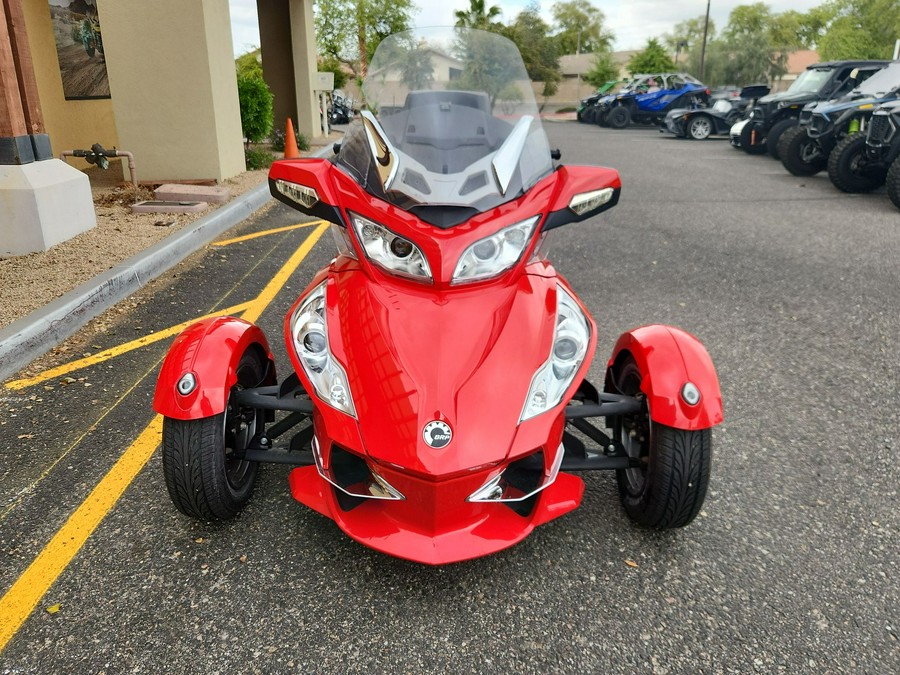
point(839, 116)
point(847, 127)
point(646, 99)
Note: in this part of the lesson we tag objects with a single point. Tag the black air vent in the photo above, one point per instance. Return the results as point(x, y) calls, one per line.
point(474, 182)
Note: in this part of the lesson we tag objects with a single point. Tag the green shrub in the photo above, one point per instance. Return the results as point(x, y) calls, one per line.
point(278, 140)
point(256, 107)
point(257, 158)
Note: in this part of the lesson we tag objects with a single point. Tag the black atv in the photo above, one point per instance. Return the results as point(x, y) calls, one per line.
point(588, 106)
point(805, 149)
point(860, 162)
point(883, 146)
point(774, 114)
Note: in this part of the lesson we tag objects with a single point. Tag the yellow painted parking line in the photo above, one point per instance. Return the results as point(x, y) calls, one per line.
point(25, 594)
point(30, 587)
point(266, 233)
point(15, 500)
point(118, 350)
point(268, 294)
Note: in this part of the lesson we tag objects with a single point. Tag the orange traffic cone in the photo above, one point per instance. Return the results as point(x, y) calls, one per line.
point(291, 151)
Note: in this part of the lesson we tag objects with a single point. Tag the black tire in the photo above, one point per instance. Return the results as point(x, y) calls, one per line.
point(201, 479)
point(848, 168)
point(601, 119)
point(619, 117)
point(578, 116)
point(749, 134)
point(668, 491)
point(775, 133)
point(799, 153)
point(699, 127)
point(892, 182)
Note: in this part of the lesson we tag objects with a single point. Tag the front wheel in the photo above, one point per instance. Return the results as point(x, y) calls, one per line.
point(799, 153)
point(699, 128)
point(669, 487)
point(619, 117)
point(893, 183)
point(205, 475)
point(849, 169)
point(775, 134)
point(752, 140)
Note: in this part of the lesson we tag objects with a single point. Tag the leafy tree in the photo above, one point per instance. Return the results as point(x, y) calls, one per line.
point(417, 68)
point(532, 36)
point(686, 40)
point(249, 64)
point(580, 27)
point(509, 98)
point(654, 59)
point(603, 70)
point(478, 16)
point(752, 48)
point(752, 19)
point(255, 101)
point(329, 64)
point(860, 29)
point(788, 31)
point(487, 64)
point(350, 30)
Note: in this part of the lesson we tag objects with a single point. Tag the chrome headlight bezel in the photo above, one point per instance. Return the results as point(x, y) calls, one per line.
point(571, 340)
point(309, 339)
point(380, 246)
point(493, 255)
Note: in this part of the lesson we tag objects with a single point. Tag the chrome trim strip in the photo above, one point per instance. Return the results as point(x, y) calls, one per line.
point(506, 159)
point(385, 155)
point(495, 482)
point(392, 493)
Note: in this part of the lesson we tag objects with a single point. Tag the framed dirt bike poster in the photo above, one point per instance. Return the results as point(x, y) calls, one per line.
point(79, 46)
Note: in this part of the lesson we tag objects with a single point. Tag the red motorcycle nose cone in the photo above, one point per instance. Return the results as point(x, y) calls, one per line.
point(437, 434)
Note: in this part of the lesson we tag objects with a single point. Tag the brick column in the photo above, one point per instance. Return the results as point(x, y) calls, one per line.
point(22, 137)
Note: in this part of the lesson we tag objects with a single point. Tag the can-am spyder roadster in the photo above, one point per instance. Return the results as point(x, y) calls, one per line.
point(438, 402)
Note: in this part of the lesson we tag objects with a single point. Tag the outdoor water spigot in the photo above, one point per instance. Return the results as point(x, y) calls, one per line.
point(96, 155)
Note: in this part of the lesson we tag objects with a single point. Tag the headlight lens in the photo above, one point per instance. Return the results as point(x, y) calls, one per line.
point(494, 255)
point(570, 342)
point(309, 332)
point(391, 251)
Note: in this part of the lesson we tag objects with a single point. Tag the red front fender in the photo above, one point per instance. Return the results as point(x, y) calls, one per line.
point(211, 350)
point(668, 358)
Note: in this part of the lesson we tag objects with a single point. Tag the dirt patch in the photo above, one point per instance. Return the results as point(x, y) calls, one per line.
point(31, 281)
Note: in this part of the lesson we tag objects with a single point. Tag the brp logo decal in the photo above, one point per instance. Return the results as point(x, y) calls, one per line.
point(437, 434)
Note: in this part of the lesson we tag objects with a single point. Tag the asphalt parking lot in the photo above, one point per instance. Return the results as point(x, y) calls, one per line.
point(791, 567)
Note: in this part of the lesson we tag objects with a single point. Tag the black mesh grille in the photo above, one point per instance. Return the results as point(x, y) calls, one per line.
point(880, 129)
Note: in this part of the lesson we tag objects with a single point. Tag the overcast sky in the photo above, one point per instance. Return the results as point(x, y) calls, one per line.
point(633, 22)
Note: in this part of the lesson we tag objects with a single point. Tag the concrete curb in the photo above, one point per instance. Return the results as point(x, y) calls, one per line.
point(34, 335)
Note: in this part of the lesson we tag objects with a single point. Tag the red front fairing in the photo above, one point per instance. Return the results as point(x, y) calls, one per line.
point(465, 357)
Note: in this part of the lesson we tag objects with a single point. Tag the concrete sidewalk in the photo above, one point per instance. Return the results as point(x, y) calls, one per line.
point(22, 341)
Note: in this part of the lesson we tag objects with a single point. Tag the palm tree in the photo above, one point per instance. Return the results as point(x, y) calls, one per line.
point(478, 16)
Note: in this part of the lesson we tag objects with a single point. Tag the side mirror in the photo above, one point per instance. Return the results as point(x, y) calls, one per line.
point(583, 192)
point(306, 185)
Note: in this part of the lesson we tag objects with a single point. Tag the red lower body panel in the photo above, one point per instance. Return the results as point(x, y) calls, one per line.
point(435, 524)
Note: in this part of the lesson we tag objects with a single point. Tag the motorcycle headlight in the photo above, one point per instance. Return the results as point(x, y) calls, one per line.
point(309, 334)
point(494, 255)
point(570, 343)
point(390, 251)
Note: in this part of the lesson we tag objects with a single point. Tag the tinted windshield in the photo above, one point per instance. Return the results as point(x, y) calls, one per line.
point(883, 82)
point(449, 119)
point(810, 81)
